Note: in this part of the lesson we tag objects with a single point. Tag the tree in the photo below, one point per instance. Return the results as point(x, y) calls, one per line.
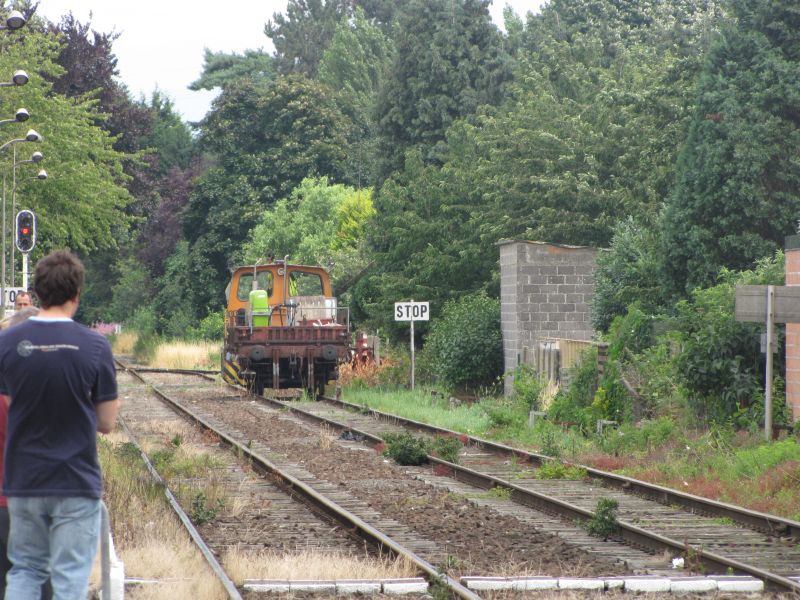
point(449, 61)
point(221, 70)
point(736, 194)
point(276, 135)
point(82, 207)
point(302, 34)
point(318, 224)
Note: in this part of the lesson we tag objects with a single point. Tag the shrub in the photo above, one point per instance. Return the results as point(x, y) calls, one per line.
point(527, 387)
point(720, 358)
point(447, 448)
point(212, 327)
point(604, 522)
point(465, 345)
point(627, 274)
point(553, 469)
point(405, 449)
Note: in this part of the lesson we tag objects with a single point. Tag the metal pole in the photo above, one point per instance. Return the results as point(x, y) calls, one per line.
point(412, 350)
point(13, 213)
point(25, 271)
point(3, 276)
point(768, 387)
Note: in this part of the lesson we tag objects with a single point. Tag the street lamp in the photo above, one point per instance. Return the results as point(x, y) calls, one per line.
point(21, 116)
point(14, 20)
point(18, 78)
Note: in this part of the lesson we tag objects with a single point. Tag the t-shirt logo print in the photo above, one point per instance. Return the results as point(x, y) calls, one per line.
point(25, 348)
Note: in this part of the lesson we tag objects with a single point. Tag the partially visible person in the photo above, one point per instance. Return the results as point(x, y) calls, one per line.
point(22, 300)
point(5, 565)
point(62, 384)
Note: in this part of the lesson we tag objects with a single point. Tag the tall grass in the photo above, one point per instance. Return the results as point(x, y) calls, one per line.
point(149, 539)
point(186, 355)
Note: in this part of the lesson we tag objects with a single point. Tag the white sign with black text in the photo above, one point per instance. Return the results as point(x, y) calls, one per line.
point(412, 311)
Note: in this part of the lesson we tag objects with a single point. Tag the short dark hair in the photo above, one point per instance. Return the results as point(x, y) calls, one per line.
point(58, 278)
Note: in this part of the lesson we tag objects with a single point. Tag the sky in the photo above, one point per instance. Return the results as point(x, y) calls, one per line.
point(161, 43)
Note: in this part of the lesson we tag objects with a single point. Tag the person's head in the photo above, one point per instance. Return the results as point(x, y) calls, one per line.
point(58, 279)
point(22, 300)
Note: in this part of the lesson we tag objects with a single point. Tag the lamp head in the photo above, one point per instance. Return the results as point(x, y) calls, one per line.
point(41, 174)
point(33, 136)
point(15, 20)
point(37, 157)
point(20, 77)
point(22, 115)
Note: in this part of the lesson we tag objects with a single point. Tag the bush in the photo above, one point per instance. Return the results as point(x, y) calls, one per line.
point(720, 362)
point(405, 449)
point(527, 387)
point(465, 345)
point(447, 448)
point(627, 274)
point(211, 328)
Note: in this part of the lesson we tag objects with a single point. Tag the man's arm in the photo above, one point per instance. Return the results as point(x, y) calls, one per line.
point(107, 415)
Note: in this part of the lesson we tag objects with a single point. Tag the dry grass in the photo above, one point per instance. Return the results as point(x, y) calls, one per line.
point(149, 539)
point(311, 564)
point(185, 355)
point(326, 437)
point(124, 342)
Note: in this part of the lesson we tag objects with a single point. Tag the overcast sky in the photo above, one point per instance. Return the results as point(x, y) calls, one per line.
point(161, 41)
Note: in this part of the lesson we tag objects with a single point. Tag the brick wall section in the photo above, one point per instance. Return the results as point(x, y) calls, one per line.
point(792, 277)
point(545, 292)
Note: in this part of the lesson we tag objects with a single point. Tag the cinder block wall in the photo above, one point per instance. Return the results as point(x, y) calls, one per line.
point(545, 292)
point(792, 277)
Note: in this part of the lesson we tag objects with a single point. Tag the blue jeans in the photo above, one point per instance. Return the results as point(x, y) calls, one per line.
point(53, 537)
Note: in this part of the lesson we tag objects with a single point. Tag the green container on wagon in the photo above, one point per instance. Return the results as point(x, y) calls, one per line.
point(259, 308)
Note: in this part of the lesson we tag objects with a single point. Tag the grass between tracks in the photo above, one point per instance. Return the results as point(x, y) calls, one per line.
point(721, 464)
point(152, 543)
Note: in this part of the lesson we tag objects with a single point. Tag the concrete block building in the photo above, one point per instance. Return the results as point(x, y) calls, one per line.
point(545, 293)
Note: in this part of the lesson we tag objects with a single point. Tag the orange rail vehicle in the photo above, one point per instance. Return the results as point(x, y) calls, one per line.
point(283, 328)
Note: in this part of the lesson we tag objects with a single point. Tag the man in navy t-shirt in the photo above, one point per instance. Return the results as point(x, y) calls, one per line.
point(61, 379)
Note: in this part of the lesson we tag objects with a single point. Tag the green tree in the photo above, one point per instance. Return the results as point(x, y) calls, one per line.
point(221, 70)
point(276, 135)
point(737, 179)
point(449, 61)
point(318, 224)
point(82, 205)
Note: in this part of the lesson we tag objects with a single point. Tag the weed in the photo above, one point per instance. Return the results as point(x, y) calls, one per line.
point(405, 449)
point(604, 522)
point(500, 492)
point(723, 521)
point(558, 470)
point(203, 512)
point(177, 440)
point(447, 448)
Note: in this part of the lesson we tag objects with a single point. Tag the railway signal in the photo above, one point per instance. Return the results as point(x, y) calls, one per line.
point(26, 231)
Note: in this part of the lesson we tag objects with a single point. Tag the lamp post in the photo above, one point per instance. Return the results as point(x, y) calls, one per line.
point(15, 20)
point(31, 136)
point(18, 78)
point(35, 158)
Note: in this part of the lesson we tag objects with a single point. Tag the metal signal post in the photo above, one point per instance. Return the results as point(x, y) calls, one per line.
point(25, 239)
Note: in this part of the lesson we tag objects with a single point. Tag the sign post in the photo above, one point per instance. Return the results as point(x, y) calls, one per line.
point(412, 311)
point(771, 304)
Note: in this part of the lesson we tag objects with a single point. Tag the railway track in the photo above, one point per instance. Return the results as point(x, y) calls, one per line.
point(283, 512)
point(645, 546)
point(715, 537)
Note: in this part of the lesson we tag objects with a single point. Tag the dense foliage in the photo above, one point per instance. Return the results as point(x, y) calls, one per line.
point(465, 346)
point(400, 141)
